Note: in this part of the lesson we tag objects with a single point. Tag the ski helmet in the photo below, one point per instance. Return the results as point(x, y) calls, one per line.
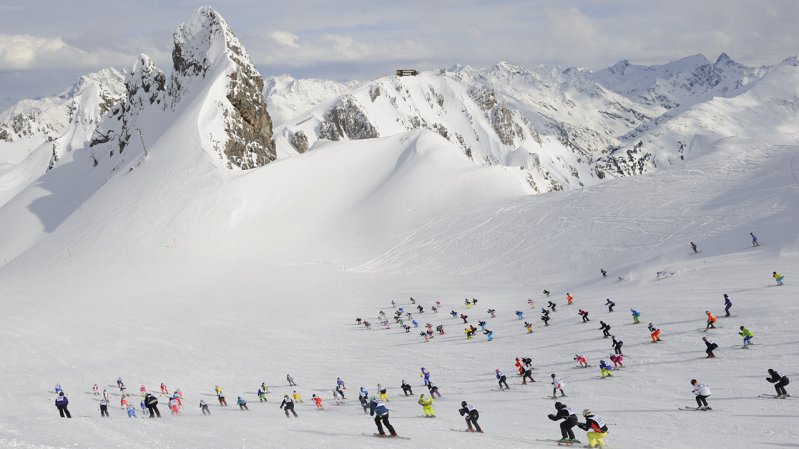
point(587, 413)
point(558, 405)
point(463, 404)
point(553, 375)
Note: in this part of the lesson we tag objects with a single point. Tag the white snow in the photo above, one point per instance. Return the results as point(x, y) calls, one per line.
point(174, 269)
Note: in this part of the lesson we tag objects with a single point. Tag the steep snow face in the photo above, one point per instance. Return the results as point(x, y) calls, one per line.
point(72, 114)
point(287, 96)
point(679, 84)
point(768, 111)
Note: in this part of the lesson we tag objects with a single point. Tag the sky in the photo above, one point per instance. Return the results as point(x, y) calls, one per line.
point(46, 44)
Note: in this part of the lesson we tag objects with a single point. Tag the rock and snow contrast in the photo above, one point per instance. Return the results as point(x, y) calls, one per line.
point(157, 229)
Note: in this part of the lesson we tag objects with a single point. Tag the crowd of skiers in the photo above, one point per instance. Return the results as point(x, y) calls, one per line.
point(376, 405)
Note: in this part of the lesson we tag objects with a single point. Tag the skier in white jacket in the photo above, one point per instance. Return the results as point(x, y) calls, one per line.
point(702, 392)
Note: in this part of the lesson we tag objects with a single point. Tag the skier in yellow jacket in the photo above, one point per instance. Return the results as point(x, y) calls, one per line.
point(427, 406)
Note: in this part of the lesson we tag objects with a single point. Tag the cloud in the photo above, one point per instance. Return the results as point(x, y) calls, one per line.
point(285, 38)
point(27, 52)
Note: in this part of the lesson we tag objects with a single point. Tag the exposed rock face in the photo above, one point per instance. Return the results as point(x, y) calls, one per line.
point(204, 44)
point(346, 121)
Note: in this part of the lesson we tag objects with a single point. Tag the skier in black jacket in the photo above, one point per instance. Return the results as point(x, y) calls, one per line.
point(605, 328)
point(569, 420)
point(617, 344)
point(61, 403)
point(472, 416)
point(779, 382)
point(151, 402)
point(710, 348)
point(288, 406)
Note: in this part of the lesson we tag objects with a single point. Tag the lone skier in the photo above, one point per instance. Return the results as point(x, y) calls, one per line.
point(778, 277)
point(727, 305)
point(754, 239)
point(693, 247)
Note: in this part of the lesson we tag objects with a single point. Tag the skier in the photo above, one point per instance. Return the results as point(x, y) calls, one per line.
point(605, 369)
point(482, 325)
point(317, 400)
point(529, 327)
point(581, 360)
point(605, 328)
point(531, 303)
point(617, 361)
point(96, 390)
point(779, 382)
point(433, 388)
point(164, 390)
point(406, 388)
point(492, 312)
point(152, 405)
point(221, 398)
point(413, 301)
point(546, 293)
point(454, 314)
point(754, 239)
point(527, 374)
point(143, 407)
point(654, 333)
point(557, 384)
point(393, 304)
point(747, 335)
point(106, 396)
point(363, 398)
point(584, 314)
point(468, 303)
point(379, 410)
point(143, 390)
point(472, 415)
point(103, 408)
point(173, 406)
point(501, 379)
point(61, 403)
point(427, 406)
point(569, 420)
point(569, 298)
point(288, 406)
point(778, 278)
point(596, 429)
point(204, 407)
point(58, 389)
point(702, 392)
point(217, 389)
point(383, 393)
point(131, 411)
point(617, 344)
point(465, 318)
point(123, 403)
point(610, 304)
point(240, 402)
point(120, 384)
point(604, 273)
point(552, 306)
point(710, 348)
point(426, 375)
point(290, 380)
point(711, 320)
point(545, 316)
point(296, 396)
point(338, 390)
point(261, 395)
point(636, 315)
point(519, 314)
point(440, 329)
point(693, 247)
point(727, 305)
point(420, 308)
point(489, 334)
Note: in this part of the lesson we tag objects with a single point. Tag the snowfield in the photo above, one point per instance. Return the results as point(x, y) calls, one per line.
point(190, 303)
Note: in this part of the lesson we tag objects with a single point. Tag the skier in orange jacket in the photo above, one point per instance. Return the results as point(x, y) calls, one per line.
point(711, 320)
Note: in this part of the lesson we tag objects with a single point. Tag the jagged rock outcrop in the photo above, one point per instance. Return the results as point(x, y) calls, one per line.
point(345, 120)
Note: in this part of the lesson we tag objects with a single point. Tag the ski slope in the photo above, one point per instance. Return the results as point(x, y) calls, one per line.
point(179, 273)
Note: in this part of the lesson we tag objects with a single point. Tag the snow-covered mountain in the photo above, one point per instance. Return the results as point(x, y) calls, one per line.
point(72, 114)
point(287, 96)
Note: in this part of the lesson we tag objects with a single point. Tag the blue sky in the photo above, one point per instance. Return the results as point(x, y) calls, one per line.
point(46, 44)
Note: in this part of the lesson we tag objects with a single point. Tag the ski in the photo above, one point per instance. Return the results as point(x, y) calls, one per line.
point(694, 409)
point(465, 431)
point(377, 435)
point(772, 396)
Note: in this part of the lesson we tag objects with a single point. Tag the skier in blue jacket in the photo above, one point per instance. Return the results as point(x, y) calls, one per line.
point(379, 410)
point(61, 403)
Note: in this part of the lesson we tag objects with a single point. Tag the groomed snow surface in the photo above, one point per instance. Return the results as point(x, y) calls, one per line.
point(180, 273)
